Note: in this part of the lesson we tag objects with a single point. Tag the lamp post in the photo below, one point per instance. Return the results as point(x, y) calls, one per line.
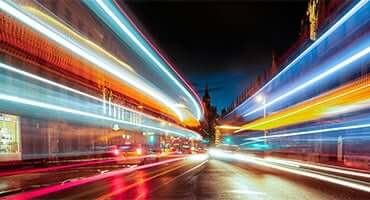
point(262, 99)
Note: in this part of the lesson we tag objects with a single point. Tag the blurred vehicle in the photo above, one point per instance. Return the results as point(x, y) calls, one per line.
point(175, 151)
point(152, 154)
point(136, 153)
point(186, 149)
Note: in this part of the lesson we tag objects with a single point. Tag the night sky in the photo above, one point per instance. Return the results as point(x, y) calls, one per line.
point(224, 43)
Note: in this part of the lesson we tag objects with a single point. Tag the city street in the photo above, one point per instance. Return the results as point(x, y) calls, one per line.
point(196, 179)
point(188, 100)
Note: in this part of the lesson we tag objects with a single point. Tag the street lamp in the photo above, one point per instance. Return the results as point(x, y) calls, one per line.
point(262, 99)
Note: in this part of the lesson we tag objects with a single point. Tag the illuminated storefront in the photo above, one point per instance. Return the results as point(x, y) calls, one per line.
point(9, 137)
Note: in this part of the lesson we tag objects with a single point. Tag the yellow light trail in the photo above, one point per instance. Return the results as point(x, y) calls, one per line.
point(228, 127)
point(348, 95)
point(68, 31)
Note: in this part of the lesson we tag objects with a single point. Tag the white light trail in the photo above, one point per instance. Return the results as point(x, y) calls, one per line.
point(323, 37)
point(292, 169)
point(298, 171)
point(307, 132)
point(41, 79)
point(318, 167)
point(151, 56)
point(323, 75)
point(12, 10)
point(29, 102)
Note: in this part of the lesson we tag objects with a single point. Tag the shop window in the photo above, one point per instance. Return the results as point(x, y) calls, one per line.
point(9, 134)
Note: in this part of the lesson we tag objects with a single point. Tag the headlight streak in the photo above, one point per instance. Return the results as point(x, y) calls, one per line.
point(12, 10)
point(305, 133)
point(292, 168)
point(322, 38)
point(131, 35)
point(323, 75)
point(324, 168)
point(342, 92)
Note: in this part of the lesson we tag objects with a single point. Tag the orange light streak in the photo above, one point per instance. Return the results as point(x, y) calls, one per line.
point(350, 94)
point(18, 37)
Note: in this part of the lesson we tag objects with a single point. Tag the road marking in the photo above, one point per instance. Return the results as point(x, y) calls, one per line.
point(173, 179)
point(107, 196)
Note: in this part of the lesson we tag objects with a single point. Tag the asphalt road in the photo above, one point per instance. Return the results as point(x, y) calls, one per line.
point(197, 179)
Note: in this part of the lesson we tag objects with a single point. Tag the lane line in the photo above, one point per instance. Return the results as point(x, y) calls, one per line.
point(173, 179)
point(116, 192)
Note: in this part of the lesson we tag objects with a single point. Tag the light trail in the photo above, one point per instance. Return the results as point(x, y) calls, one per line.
point(289, 168)
point(163, 58)
point(136, 40)
point(90, 71)
point(314, 108)
point(260, 138)
point(41, 79)
point(68, 30)
point(229, 127)
point(322, 38)
point(323, 75)
point(47, 31)
point(29, 102)
point(318, 167)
